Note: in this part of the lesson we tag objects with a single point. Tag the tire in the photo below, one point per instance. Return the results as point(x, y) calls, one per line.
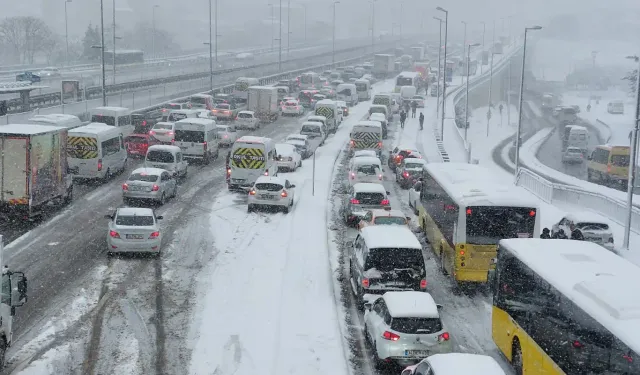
point(516, 358)
point(442, 268)
point(68, 198)
point(175, 192)
point(163, 199)
point(207, 159)
point(107, 175)
point(3, 351)
point(249, 206)
point(285, 209)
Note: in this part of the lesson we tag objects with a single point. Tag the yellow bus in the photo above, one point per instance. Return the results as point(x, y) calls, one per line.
point(464, 214)
point(566, 307)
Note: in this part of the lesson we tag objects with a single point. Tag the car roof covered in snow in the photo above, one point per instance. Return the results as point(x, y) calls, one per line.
point(390, 237)
point(586, 217)
point(411, 304)
point(592, 277)
point(270, 180)
point(253, 139)
point(364, 153)
point(137, 211)
point(148, 171)
point(247, 112)
point(296, 142)
point(168, 148)
point(287, 147)
point(464, 363)
point(298, 136)
point(471, 185)
point(378, 115)
point(29, 129)
point(316, 117)
point(367, 187)
point(372, 124)
point(366, 160)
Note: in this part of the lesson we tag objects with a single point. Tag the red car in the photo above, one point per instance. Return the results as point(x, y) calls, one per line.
point(137, 144)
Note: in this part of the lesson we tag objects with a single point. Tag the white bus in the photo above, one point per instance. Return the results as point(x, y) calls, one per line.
point(566, 307)
point(408, 79)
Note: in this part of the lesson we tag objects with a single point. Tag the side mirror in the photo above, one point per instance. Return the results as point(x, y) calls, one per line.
point(18, 289)
point(292, 186)
point(159, 217)
point(439, 306)
point(388, 193)
point(110, 217)
point(367, 306)
point(408, 218)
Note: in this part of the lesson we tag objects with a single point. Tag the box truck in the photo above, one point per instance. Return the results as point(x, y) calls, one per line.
point(263, 101)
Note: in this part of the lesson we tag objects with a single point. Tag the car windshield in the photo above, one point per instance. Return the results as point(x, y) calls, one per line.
point(189, 136)
point(223, 106)
point(172, 106)
point(139, 140)
point(310, 129)
point(143, 177)
point(162, 126)
point(416, 325)
point(389, 259)
point(390, 220)
point(413, 166)
point(268, 186)
point(370, 169)
point(284, 150)
point(245, 115)
point(592, 226)
point(134, 220)
point(370, 198)
point(198, 100)
point(290, 104)
point(156, 156)
point(109, 120)
point(176, 116)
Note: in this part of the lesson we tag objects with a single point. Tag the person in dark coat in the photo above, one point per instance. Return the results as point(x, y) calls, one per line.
point(545, 234)
point(576, 234)
point(414, 106)
point(560, 235)
point(421, 119)
point(403, 117)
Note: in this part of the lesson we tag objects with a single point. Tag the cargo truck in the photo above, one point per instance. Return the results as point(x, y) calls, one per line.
point(14, 294)
point(33, 169)
point(263, 101)
point(383, 65)
point(417, 53)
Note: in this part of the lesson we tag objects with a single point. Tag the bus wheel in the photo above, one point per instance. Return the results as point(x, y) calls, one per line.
point(442, 268)
point(516, 358)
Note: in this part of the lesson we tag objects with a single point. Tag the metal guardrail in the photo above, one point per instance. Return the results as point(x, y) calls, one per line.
point(52, 99)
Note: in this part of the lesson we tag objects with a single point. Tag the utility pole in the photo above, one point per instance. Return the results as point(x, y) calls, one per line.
point(66, 30)
point(593, 77)
point(153, 25)
point(464, 43)
point(272, 20)
point(438, 87)
point(104, 73)
point(466, 108)
point(333, 50)
point(114, 42)
point(444, 72)
point(633, 162)
point(373, 21)
point(216, 30)
point(305, 23)
point(288, 27)
point(484, 31)
point(280, 41)
point(210, 51)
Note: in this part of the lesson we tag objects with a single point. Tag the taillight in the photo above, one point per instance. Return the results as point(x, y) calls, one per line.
point(384, 202)
point(405, 174)
point(151, 132)
point(577, 344)
point(380, 177)
point(226, 136)
point(125, 187)
point(154, 235)
point(352, 143)
point(144, 122)
point(266, 173)
point(379, 144)
point(390, 336)
point(354, 201)
point(365, 283)
point(423, 284)
point(443, 337)
point(608, 168)
point(236, 118)
point(352, 175)
point(284, 194)
point(99, 164)
point(228, 171)
point(204, 146)
point(155, 188)
point(532, 213)
point(114, 234)
point(252, 192)
point(170, 132)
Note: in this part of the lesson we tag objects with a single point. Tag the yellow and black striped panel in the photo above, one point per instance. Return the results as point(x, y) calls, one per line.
point(248, 158)
point(82, 148)
point(365, 140)
point(325, 111)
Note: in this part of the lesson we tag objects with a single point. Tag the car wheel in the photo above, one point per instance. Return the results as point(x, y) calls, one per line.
point(163, 199)
point(69, 198)
point(285, 209)
point(175, 191)
point(107, 175)
point(249, 206)
point(516, 358)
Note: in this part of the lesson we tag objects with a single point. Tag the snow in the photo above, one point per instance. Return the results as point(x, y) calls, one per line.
point(252, 139)
point(462, 363)
point(389, 237)
point(367, 187)
point(29, 129)
point(367, 160)
point(365, 153)
point(411, 304)
point(587, 217)
point(598, 282)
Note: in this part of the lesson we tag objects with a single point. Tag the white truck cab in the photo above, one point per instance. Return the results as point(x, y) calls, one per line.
point(14, 294)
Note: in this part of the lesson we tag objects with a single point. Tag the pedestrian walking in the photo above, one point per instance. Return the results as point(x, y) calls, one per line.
point(545, 234)
point(403, 117)
point(421, 119)
point(414, 107)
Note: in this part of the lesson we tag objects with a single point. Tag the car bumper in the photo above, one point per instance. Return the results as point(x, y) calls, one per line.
point(122, 246)
point(163, 139)
point(291, 113)
point(411, 353)
point(365, 180)
point(226, 142)
point(267, 202)
point(151, 195)
point(286, 164)
point(193, 156)
point(246, 125)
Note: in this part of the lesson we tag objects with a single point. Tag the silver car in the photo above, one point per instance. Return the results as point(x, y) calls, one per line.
point(573, 155)
point(361, 198)
point(149, 184)
point(133, 230)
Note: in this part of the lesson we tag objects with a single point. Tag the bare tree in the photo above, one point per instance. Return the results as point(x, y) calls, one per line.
point(26, 35)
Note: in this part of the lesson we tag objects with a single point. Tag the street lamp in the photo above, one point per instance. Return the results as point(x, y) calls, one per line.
point(216, 30)
point(280, 42)
point(594, 54)
point(101, 46)
point(439, 66)
point(210, 51)
point(114, 42)
point(632, 164)
point(333, 50)
point(464, 40)
point(444, 73)
point(272, 20)
point(288, 27)
point(466, 105)
point(490, 90)
point(373, 21)
point(153, 26)
point(66, 30)
point(484, 31)
point(524, 55)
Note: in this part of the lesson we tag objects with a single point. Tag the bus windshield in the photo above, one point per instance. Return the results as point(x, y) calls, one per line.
point(404, 81)
point(109, 120)
point(488, 225)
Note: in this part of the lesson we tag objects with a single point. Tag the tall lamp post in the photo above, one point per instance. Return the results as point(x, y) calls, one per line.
point(524, 59)
point(373, 22)
point(210, 50)
point(280, 41)
point(444, 72)
point(272, 21)
point(288, 27)
point(215, 35)
point(333, 48)
point(114, 42)
point(594, 54)
point(439, 66)
point(464, 39)
point(66, 31)
point(632, 164)
point(101, 47)
point(153, 26)
point(466, 105)
point(484, 31)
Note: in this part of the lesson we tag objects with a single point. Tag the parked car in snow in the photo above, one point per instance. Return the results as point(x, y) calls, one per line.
point(360, 198)
point(365, 169)
point(594, 228)
point(152, 184)
point(409, 171)
point(247, 120)
point(133, 230)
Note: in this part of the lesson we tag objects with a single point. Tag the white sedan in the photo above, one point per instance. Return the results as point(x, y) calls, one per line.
point(133, 230)
point(287, 157)
point(271, 192)
point(292, 108)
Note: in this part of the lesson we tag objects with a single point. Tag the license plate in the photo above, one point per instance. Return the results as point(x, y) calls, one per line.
point(183, 148)
point(159, 166)
point(134, 236)
point(267, 197)
point(135, 188)
point(416, 353)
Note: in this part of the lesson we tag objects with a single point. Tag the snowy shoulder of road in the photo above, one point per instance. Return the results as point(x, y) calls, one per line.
point(616, 127)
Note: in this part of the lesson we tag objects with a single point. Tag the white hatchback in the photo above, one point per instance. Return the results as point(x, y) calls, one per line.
point(133, 230)
point(365, 169)
point(456, 363)
point(287, 157)
point(163, 132)
point(227, 134)
point(247, 120)
point(292, 108)
point(271, 192)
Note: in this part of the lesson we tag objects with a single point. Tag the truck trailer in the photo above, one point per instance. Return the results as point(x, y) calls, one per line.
point(263, 101)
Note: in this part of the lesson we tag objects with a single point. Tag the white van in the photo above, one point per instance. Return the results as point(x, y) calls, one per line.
point(115, 116)
point(407, 92)
point(330, 111)
point(251, 157)
point(363, 88)
point(197, 138)
point(56, 119)
point(96, 150)
point(347, 92)
point(366, 135)
point(180, 114)
point(241, 88)
point(168, 158)
point(202, 101)
point(309, 81)
point(579, 138)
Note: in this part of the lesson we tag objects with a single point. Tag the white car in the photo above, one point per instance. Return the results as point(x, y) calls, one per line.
point(455, 363)
point(149, 184)
point(287, 157)
point(247, 120)
point(49, 72)
point(302, 146)
point(287, 99)
point(269, 191)
point(405, 327)
point(365, 153)
point(133, 230)
point(163, 132)
point(292, 108)
point(300, 137)
point(594, 228)
point(365, 169)
point(419, 99)
point(227, 134)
